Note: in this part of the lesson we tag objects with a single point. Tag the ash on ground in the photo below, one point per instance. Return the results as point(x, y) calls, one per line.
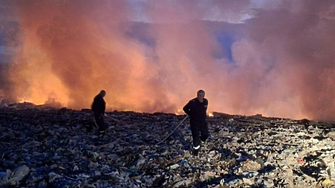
point(50, 147)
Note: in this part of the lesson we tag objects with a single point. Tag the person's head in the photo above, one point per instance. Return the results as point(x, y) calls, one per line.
point(102, 93)
point(200, 95)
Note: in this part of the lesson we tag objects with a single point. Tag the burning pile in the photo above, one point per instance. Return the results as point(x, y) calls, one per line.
point(49, 147)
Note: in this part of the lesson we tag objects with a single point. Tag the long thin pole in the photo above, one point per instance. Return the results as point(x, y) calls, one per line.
point(172, 131)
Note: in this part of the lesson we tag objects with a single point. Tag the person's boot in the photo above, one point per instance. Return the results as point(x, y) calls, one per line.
point(195, 152)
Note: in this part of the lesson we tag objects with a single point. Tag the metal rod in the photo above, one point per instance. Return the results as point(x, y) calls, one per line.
point(172, 130)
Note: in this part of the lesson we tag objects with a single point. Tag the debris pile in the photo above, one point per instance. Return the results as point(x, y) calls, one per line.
point(50, 147)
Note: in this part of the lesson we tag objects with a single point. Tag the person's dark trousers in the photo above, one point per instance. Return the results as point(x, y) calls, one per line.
point(99, 119)
point(199, 132)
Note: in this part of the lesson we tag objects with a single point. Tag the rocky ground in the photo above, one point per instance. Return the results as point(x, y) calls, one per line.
point(49, 147)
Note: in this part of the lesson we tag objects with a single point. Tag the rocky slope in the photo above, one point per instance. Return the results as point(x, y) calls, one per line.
point(50, 147)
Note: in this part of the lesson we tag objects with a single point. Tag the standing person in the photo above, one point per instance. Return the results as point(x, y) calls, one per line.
point(99, 107)
point(196, 110)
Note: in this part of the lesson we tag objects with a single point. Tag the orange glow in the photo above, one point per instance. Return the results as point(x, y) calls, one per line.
point(66, 51)
point(34, 79)
point(71, 51)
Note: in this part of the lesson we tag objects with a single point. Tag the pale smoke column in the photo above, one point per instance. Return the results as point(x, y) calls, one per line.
point(277, 61)
point(299, 39)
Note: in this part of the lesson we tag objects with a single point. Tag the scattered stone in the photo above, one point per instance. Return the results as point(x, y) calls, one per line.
point(44, 147)
point(18, 174)
point(183, 183)
point(249, 166)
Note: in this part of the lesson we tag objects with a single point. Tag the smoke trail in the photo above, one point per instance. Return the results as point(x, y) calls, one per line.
point(269, 57)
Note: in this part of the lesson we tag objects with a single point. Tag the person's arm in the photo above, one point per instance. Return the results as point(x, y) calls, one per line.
point(187, 108)
point(103, 107)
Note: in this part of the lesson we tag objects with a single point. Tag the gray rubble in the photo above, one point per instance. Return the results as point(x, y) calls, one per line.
point(42, 147)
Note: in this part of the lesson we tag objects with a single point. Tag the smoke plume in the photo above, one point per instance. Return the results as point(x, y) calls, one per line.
point(251, 57)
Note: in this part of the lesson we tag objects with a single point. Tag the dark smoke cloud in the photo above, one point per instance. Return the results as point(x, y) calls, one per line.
point(269, 57)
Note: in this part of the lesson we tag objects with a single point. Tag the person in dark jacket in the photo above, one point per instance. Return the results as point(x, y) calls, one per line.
point(196, 110)
point(98, 108)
